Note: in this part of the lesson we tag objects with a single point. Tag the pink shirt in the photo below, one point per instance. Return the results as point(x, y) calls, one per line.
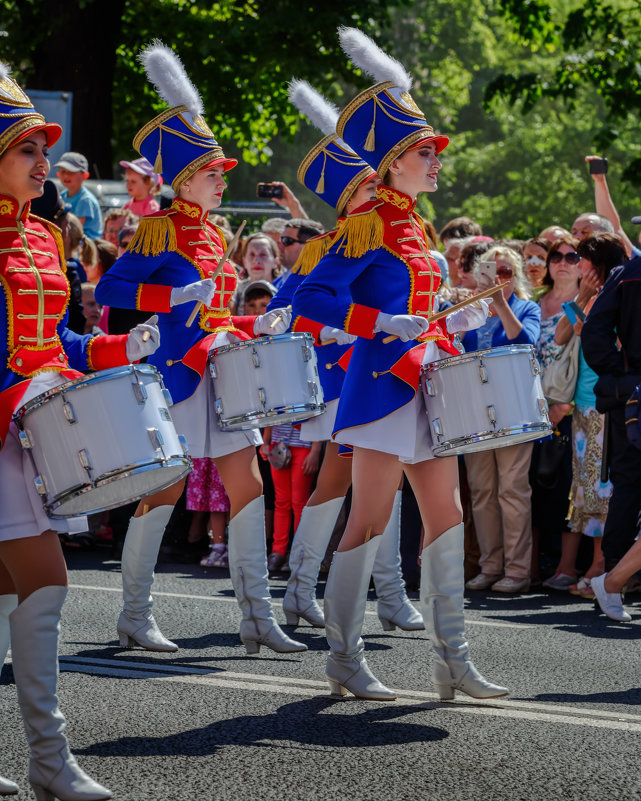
point(142, 207)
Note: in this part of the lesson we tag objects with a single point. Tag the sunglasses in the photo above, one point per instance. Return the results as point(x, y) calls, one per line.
point(570, 258)
point(504, 272)
point(289, 240)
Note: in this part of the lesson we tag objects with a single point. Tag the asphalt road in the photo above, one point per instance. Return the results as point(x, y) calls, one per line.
point(210, 723)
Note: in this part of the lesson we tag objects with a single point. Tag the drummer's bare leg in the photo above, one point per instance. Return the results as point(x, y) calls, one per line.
point(136, 624)
point(375, 479)
point(33, 587)
point(312, 538)
point(435, 485)
point(247, 553)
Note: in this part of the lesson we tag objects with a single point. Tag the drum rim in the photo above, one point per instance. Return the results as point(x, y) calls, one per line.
point(449, 445)
point(253, 417)
point(473, 355)
point(83, 382)
point(262, 340)
point(136, 468)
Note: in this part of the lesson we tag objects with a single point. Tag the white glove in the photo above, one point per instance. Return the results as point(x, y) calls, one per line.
point(201, 291)
point(468, 318)
point(403, 326)
point(138, 344)
point(341, 337)
point(274, 322)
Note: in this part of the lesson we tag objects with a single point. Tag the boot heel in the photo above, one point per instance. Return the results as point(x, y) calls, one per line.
point(387, 625)
point(336, 688)
point(291, 618)
point(445, 692)
point(126, 641)
point(42, 794)
point(251, 646)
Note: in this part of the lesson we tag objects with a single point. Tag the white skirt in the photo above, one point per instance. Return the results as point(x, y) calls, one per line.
point(21, 511)
point(195, 418)
point(320, 428)
point(404, 432)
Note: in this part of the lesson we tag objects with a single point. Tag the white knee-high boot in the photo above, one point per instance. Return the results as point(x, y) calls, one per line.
point(136, 624)
point(442, 601)
point(53, 771)
point(249, 578)
point(308, 549)
point(394, 607)
point(345, 600)
point(7, 604)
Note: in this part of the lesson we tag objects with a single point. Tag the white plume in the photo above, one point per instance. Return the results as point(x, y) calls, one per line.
point(369, 57)
point(5, 70)
point(166, 72)
point(318, 110)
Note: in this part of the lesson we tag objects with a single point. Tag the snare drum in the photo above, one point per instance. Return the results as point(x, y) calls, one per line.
point(264, 381)
point(485, 399)
point(102, 441)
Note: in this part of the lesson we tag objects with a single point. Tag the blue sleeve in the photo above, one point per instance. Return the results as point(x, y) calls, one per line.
point(530, 319)
point(127, 284)
point(285, 294)
point(75, 345)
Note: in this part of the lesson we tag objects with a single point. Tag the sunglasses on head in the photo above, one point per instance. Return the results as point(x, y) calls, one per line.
point(570, 258)
point(289, 240)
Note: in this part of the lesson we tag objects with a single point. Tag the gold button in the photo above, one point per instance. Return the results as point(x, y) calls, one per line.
point(18, 362)
point(61, 357)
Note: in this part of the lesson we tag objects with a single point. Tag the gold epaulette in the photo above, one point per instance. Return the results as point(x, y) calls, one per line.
point(154, 235)
point(360, 231)
point(57, 236)
point(313, 251)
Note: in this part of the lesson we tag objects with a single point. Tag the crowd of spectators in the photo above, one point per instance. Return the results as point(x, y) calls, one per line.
point(535, 512)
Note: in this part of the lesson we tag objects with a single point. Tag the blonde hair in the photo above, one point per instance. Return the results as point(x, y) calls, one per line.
point(80, 242)
point(522, 287)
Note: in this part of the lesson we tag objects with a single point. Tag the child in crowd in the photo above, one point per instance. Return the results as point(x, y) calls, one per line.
point(142, 183)
point(73, 171)
point(115, 221)
point(207, 498)
point(260, 262)
point(257, 297)
point(91, 309)
point(292, 483)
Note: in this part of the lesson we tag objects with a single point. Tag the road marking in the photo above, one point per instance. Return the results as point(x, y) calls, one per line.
point(159, 594)
point(284, 685)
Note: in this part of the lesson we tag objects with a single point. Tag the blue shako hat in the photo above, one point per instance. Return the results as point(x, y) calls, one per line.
point(18, 117)
point(178, 142)
point(331, 169)
point(382, 122)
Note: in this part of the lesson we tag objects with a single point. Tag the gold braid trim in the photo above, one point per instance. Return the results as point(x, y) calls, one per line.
point(312, 252)
point(57, 235)
point(359, 233)
point(154, 236)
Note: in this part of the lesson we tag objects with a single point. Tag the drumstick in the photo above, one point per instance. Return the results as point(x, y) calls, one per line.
point(439, 315)
point(146, 336)
point(278, 318)
point(230, 248)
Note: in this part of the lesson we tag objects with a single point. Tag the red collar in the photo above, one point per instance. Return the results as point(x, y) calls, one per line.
point(394, 198)
point(189, 209)
point(9, 207)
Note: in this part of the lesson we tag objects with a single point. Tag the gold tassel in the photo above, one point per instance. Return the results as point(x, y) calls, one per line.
point(360, 233)
point(369, 142)
point(320, 186)
point(154, 236)
point(158, 162)
point(312, 252)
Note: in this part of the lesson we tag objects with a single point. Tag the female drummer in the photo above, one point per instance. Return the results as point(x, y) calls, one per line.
point(37, 353)
point(341, 178)
point(172, 263)
point(379, 282)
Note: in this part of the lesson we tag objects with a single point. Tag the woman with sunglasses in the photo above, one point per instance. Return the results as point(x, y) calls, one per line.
point(498, 479)
point(379, 282)
point(550, 499)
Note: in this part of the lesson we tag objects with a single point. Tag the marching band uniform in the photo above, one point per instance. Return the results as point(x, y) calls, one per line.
point(174, 252)
point(37, 353)
point(377, 271)
point(333, 172)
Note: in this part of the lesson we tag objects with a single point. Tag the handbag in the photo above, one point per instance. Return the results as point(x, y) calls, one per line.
point(547, 457)
point(560, 376)
point(279, 455)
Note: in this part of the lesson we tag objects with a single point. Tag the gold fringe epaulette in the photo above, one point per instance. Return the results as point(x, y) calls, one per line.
point(360, 232)
point(154, 235)
point(57, 236)
point(313, 251)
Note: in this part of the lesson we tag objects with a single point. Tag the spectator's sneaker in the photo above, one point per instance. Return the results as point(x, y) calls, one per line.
point(481, 582)
point(217, 557)
point(559, 581)
point(610, 602)
point(583, 589)
point(507, 584)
